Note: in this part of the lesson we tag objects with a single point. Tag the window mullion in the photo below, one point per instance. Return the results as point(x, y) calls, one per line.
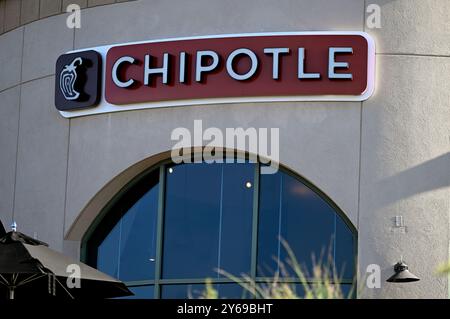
point(159, 231)
point(254, 252)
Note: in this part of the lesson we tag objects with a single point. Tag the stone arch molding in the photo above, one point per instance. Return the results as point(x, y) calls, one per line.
point(94, 207)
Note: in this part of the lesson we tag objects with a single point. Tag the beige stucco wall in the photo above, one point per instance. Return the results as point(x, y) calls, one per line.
point(16, 13)
point(384, 157)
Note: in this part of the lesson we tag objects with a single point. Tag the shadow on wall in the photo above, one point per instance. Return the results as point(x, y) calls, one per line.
point(430, 175)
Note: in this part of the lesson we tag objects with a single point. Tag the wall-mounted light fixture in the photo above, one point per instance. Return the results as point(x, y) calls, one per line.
point(402, 274)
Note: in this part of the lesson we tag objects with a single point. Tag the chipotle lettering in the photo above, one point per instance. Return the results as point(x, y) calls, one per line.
point(238, 66)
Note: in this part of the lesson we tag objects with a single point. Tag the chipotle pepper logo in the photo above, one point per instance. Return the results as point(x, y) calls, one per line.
point(77, 80)
point(67, 79)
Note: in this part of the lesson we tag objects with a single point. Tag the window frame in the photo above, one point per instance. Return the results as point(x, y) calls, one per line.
point(158, 282)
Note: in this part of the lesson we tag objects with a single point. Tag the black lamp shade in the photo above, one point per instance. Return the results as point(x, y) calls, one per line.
point(402, 274)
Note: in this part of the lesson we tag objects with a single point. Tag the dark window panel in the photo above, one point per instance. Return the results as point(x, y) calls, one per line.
point(141, 292)
point(191, 233)
point(125, 243)
point(195, 291)
point(236, 218)
point(345, 251)
point(291, 211)
point(183, 291)
point(344, 290)
point(308, 225)
point(268, 222)
point(108, 253)
point(348, 291)
point(232, 291)
point(138, 239)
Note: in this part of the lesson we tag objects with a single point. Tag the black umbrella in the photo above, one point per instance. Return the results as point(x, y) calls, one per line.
point(2, 230)
point(28, 268)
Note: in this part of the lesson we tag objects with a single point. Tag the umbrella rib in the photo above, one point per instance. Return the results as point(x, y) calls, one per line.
point(70, 295)
point(6, 283)
point(30, 279)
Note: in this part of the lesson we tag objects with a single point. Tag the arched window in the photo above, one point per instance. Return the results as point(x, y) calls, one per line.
point(176, 225)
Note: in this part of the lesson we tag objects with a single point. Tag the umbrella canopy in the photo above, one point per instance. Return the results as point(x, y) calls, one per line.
point(29, 268)
point(2, 230)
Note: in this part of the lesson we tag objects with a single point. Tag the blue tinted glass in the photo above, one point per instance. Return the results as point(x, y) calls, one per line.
point(182, 291)
point(128, 250)
point(291, 211)
point(195, 291)
point(108, 253)
point(299, 290)
point(348, 292)
point(344, 256)
point(208, 213)
point(307, 225)
point(208, 220)
point(268, 220)
point(192, 214)
point(138, 239)
point(231, 291)
point(141, 292)
point(236, 218)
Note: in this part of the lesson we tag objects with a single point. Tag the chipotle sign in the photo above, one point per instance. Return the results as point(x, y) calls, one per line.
point(315, 66)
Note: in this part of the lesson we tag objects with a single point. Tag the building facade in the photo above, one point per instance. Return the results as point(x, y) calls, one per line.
point(380, 168)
